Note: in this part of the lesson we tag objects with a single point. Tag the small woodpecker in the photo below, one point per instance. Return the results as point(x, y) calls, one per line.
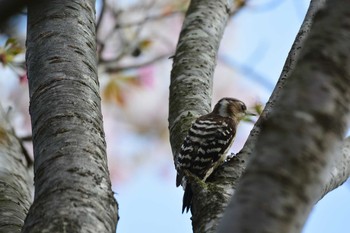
point(207, 142)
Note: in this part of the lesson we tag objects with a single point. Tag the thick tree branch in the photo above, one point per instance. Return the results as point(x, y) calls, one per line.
point(295, 148)
point(15, 179)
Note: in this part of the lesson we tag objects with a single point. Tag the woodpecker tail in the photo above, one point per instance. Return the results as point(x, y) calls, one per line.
point(187, 199)
point(179, 177)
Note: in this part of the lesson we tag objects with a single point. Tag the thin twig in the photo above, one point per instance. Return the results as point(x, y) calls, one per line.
point(103, 9)
point(135, 66)
point(147, 19)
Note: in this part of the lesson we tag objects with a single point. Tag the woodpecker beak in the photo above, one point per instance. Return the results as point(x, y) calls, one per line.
point(247, 113)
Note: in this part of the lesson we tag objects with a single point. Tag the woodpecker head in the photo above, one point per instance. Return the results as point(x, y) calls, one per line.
point(233, 108)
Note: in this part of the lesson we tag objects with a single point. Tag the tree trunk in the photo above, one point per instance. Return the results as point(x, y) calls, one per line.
point(15, 185)
point(72, 184)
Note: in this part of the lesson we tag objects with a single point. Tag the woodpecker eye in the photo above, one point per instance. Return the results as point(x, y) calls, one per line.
point(243, 107)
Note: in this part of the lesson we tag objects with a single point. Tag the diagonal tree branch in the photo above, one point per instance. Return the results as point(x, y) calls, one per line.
point(295, 149)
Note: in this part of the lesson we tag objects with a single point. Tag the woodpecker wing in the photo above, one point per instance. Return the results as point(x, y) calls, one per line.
point(205, 146)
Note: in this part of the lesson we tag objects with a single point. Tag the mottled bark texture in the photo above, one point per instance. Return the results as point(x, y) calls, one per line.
point(15, 185)
point(72, 185)
point(298, 141)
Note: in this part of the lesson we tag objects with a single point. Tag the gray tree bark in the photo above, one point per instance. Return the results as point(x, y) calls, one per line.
point(15, 182)
point(209, 202)
point(72, 185)
point(298, 141)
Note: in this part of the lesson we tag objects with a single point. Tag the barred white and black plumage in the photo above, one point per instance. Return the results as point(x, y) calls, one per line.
point(207, 142)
